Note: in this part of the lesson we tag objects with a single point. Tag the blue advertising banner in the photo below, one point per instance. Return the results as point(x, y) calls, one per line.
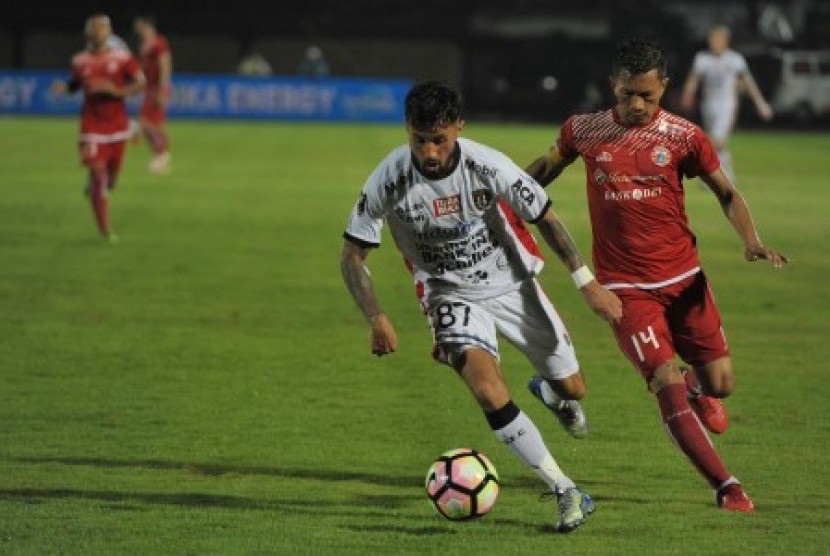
point(230, 97)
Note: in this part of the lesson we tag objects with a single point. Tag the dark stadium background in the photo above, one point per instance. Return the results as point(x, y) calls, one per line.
point(526, 60)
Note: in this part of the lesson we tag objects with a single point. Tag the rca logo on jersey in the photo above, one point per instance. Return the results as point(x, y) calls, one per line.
point(605, 156)
point(661, 156)
point(600, 176)
point(524, 192)
point(447, 205)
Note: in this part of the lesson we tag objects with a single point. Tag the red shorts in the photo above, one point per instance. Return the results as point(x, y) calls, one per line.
point(109, 155)
point(680, 319)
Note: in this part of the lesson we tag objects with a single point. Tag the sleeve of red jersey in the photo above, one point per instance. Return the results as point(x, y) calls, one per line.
point(704, 159)
point(162, 46)
point(565, 142)
point(132, 68)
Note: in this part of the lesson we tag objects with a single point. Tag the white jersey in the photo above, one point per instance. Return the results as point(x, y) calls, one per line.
point(719, 76)
point(458, 234)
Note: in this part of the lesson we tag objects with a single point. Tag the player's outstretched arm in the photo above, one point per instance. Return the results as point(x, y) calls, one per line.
point(761, 104)
point(687, 99)
point(547, 167)
point(603, 302)
point(737, 211)
point(359, 283)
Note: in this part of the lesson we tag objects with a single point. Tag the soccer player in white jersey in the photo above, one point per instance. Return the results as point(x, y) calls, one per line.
point(721, 73)
point(455, 209)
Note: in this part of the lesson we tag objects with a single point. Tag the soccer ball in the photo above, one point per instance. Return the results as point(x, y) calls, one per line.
point(462, 484)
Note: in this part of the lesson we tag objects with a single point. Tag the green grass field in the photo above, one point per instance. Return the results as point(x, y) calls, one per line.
point(205, 386)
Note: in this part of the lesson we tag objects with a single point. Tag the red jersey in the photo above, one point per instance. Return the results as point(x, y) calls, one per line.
point(151, 52)
point(635, 195)
point(104, 117)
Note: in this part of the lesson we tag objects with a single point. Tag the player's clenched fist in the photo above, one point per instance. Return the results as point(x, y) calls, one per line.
point(383, 340)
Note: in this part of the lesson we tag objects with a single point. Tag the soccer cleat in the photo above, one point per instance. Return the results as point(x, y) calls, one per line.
point(111, 238)
point(733, 498)
point(569, 412)
point(574, 508)
point(160, 164)
point(709, 410)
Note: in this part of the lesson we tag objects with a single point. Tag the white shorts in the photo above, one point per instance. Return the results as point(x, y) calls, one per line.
point(524, 317)
point(718, 120)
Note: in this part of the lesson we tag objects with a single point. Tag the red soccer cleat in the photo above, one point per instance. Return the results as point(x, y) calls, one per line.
point(709, 410)
point(711, 413)
point(733, 498)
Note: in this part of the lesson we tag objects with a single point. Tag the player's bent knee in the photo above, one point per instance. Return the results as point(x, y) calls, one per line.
point(571, 387)
point(664, 375)
point(717, 377)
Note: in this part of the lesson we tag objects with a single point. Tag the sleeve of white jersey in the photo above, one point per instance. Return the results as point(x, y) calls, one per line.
point(741, 66)
point(698, 66)
point(527, 198)
point(366, 219)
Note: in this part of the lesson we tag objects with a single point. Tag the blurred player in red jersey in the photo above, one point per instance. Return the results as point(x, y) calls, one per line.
point(157, 63)
point(635, 156)
point(106, 76)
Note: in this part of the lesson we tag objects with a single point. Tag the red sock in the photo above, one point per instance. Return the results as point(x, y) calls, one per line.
point(98, 198)
point(157, 139)
point(685, 429)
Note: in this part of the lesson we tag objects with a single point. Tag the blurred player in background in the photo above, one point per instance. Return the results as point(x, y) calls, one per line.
point(635, 157)
point(456, 209)
point(106, 77)
point(721, 73)
point(157, 63)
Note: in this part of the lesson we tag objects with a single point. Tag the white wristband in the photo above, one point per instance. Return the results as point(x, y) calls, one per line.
point(582, 276)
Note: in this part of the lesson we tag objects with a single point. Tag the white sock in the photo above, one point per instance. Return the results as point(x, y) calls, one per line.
point(524, 440)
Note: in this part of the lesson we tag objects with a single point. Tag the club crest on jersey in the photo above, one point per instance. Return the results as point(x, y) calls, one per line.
point(604, 156)
point(482, 198)
point(447, 205)
point(660, 156)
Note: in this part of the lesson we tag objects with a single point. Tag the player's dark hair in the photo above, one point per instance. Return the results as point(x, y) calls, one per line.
point(431, 104)
point(150, 19)
point(636, 56)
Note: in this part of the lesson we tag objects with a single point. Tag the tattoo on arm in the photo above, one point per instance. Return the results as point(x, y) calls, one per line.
point(560, 241)
point(358, 281)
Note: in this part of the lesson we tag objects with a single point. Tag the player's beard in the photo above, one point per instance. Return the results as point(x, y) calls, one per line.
point(432, 167)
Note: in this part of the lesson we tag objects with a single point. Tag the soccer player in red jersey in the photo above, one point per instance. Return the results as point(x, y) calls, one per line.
point(106, 76)
point(636, 155)
point(157, 63)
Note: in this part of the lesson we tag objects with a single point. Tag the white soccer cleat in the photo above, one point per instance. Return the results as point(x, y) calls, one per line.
point(160, 164)
point(569, 412)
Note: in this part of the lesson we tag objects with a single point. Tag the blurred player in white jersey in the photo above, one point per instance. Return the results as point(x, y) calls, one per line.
point(721, 73)
point(456, 209)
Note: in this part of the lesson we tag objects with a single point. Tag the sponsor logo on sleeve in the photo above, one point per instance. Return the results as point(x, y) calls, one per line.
point(361, 204)
point(447, 205)
point(524, 192)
